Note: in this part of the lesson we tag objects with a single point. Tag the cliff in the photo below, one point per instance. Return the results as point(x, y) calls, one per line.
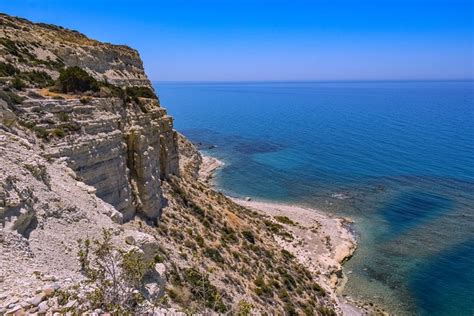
point(121, 148)
point(101, 207)
point(43, 47)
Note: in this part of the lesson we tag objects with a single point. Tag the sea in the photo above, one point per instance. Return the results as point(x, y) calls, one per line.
point(397, 158)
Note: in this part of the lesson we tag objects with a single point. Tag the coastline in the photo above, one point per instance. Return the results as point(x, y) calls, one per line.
point(321, 242)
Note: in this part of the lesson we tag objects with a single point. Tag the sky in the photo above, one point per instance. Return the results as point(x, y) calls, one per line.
point(281, 40)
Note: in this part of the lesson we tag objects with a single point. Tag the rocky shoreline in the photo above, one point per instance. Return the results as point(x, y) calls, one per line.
point(321, 242)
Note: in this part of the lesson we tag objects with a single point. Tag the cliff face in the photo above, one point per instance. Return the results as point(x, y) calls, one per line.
point(75, 164)
point(121, 148)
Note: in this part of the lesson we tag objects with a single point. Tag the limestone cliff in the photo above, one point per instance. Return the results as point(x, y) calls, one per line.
point(121, 148)
point(108, 159)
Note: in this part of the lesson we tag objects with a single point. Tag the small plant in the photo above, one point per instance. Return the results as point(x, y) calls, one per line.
point(202, 290)
point(10, 98)
point(262, 288)
point(325, 311)
point(116, 276)
point(287, 255)
point(278, 229)
point(64, 117)
point(140, 92)
point(285, 220)
point(58, 132)
point(39, 79)
point(18, 84)
point(213, 254)
point(85, 100)
point(199, 240)
point(75, 79)
point(248, 235)
point(316, 287)
point(228, 235)
point(245, 308)
point(7, 70)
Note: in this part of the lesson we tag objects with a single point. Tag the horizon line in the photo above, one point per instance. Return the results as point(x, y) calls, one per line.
point(315, 81)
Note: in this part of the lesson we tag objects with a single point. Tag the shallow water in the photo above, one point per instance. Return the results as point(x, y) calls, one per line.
point(396, 157)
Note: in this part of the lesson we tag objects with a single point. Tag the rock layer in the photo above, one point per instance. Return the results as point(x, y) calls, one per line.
point(121, 149)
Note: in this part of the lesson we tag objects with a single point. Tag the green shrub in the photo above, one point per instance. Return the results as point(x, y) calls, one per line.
point(39, 79)
point(159, 258)
point(262, 288)
point(75, 79)
point(140, 92)
point(316, 287)
point(199, 240)
point(278, 229)
point(7, 70)
point(58, 132)
point(10, 46)
point(283, 295)
point(202, 289)
point(10, 97)
point(115, 290)
point(85, 100)
point(18, 84)
point(325, 311)
point(228, 235)
point(245, 308)
point(64, 117)
point(287, 255)
point(248, 235)
point(284, 220)
point(213, 254)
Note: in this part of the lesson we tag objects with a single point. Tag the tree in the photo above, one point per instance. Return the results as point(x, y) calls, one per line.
point(75, 79)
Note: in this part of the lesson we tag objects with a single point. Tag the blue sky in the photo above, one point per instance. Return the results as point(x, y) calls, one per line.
point(214, 40)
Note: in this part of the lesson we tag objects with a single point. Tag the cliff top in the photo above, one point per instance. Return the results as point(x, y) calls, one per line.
point(30, 46)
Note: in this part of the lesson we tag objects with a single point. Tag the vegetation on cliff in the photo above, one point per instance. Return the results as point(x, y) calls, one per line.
point(74, 79)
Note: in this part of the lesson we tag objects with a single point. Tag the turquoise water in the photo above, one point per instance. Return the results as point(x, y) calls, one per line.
point(396, 157)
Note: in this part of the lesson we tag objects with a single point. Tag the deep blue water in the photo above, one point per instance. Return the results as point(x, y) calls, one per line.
point(396, 157)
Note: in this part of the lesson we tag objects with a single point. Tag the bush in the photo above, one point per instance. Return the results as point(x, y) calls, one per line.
point(245, 308)
point(316, 287)
point(325, 311)
point(213, 254)
point(199, 240)
point(140, 92)
point(75, 79)
point(58, 132)
point(285, 220)
point(18, 84)
point(10, 97)
point(39, 79)
point(202, 290)
point(7, 70)
point(116, 276)
point(249, 236)
point(262, 288)
point(64, 117)
point(228, 235)
point(85, 100)
point(287, 255)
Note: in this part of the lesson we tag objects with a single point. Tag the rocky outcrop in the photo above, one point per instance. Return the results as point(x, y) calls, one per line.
point(37, 46)
point(122, 149)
